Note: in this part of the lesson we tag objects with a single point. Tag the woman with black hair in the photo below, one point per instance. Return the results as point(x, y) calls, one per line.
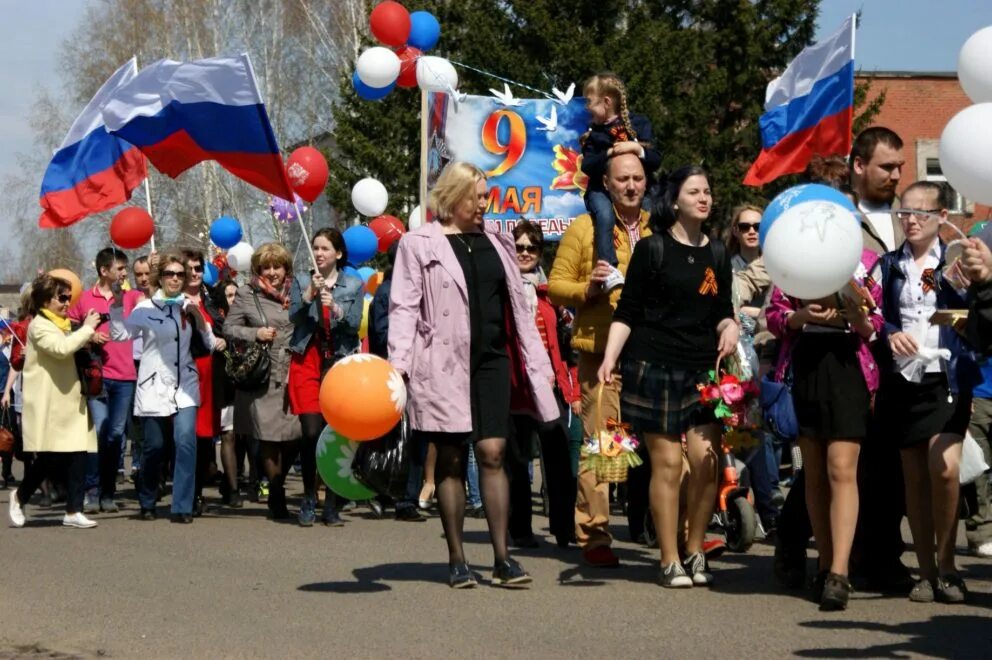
point(674, 318)
point(326, 309)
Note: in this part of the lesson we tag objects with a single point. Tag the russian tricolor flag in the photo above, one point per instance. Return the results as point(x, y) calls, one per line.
point(182, 113)
point(92, 170)
point(809, 109)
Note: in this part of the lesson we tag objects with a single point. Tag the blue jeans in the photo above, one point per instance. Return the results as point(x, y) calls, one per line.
point(110, 413)
point(763, 466)
point(600, 206)
point(474, 496)
point(184, 475)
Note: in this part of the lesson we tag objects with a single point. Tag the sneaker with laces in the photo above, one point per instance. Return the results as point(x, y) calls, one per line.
point(613, 280)
point(510, 574)
point(673, 577)
point(15, 511)
point(308, 512)
point(77, 520)
point(695, 566)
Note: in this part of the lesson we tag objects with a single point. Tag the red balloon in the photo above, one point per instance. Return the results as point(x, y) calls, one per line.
point(390, 23)
point(388, 229)
point(408, 66)
point(307, 172)
point(131, 228)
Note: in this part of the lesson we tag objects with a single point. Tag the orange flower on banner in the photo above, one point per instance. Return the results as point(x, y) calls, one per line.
point(568, 164)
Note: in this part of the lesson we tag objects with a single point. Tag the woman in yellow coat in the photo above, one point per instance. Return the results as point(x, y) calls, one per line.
point(55, 422)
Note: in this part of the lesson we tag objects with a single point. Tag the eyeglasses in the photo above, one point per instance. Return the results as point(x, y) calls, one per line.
point(529, 249)
point(64, 298)
point(921, 215)
point(173, 273)
point(197, 269)
point(745, 227)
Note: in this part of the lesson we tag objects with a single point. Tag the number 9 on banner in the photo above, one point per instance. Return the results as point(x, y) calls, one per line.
point(514, 147)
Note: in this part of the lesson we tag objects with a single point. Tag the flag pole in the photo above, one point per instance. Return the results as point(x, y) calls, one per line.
point(148, 184)
point(306, 236)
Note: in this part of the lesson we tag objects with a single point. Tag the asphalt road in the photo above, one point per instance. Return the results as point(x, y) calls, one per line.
point(234, 584)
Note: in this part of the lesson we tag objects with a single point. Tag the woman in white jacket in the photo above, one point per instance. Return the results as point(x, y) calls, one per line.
point(168, 391)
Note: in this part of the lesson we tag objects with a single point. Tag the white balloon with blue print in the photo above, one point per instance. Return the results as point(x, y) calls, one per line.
point(813, 249)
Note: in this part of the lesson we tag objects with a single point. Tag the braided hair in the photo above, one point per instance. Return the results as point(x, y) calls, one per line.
point(609, 84)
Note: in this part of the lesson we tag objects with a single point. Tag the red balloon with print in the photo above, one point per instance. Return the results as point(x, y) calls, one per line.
point(408, 66)
point(388, 229)
point(131, 228)
point(390, 23)
point(307, 172)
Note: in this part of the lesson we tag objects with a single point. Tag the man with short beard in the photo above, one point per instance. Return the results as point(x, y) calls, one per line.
point(876, 168)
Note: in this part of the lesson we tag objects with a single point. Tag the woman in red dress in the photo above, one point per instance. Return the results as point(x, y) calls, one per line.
point(326, 308)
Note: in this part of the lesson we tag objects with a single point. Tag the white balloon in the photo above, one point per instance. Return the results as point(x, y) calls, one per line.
point(965, 149)
point(436, 74)
point(369, 197)
point(239, 257)
point(378, 67)
point(813, 249)
point(416, 218)
point(975, 66)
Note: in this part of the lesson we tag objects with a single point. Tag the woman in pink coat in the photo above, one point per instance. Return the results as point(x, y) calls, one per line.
point(460, 331)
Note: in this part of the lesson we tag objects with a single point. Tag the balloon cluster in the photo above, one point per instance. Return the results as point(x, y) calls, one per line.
point(966, 142)
point(405, 37)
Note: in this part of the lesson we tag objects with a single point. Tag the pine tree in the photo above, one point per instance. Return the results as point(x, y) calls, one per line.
point(697, 68)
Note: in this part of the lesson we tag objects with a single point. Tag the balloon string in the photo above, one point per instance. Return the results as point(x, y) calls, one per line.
point(502, 79)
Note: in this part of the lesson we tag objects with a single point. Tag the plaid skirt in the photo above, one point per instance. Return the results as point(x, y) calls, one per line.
point(659, 399)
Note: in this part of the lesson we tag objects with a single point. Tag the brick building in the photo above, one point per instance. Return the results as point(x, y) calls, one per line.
point(917, 107)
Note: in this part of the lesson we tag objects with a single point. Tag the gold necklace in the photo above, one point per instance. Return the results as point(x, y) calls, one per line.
point(459, 236)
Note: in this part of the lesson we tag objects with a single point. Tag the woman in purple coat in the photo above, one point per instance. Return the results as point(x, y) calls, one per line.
point(461, 334)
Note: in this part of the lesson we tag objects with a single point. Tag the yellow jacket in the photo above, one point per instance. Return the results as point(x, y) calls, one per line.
point(55, 416)
point(572, 272)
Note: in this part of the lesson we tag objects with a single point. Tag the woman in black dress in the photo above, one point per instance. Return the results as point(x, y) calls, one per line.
point(460, 333)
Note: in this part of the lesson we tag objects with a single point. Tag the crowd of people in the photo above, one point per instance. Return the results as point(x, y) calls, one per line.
point(504, 364)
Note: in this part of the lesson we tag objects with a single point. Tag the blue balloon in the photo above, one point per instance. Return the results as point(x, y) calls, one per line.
point(225, 232)
point(370, 93)
point(361, 242)
point(365, 272)
point(210, 274)
point(807, 192)
point(424, 30)
point(351, 270)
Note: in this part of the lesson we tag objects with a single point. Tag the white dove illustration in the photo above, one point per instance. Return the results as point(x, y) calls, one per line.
point(456, 96)
point(564, 97)
point(505, 97)
point(549, 124)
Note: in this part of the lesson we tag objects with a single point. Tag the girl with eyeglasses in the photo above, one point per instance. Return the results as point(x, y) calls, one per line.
point(168, 391)
point(926, 404)
point(55, 420)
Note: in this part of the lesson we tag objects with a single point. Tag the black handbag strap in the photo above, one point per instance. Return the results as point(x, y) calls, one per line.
point(258, 306)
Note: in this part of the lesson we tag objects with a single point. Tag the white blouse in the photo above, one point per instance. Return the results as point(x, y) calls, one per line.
point(917, 303)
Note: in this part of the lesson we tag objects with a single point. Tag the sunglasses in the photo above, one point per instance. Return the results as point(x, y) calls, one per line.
point(529, 249)
point(63, 298)
point(197, 269)
point(745, 227)
point(921, 215)
point(173, 273)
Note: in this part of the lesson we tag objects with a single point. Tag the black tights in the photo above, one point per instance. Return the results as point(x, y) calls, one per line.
point(452, 460)
point(229, 460)
point(311, 424)
point(205, 457)
point(277, 460)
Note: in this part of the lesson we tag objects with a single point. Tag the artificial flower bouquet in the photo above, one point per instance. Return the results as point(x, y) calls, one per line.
point(735, 404)
point(612, 451)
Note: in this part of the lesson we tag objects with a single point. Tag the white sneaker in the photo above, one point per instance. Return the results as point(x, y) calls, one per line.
point(77, 520)
point(984, 550)
point(15, 511)
point(613, 280)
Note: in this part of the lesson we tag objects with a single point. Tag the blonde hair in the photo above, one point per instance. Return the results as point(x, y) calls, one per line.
point(271, 254)
point(734, 243)
point(609, 85)
point(457, 181)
